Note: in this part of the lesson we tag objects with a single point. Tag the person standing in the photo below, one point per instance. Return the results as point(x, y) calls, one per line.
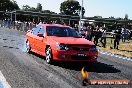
point(103, 38)
point(128, 34)
point(82, 32)
point(89, 34)
point(117, 35)
point(97, 34)
point(124, 34)
point(76, 27)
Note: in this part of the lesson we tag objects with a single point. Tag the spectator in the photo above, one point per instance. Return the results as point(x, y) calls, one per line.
point(9, 23)
point(5, 23)
point(117, 36)
point(82, 32)
point(92, 32)
point(128, 34)
point(89, 33)
point(0, 23)
point(97, 34)
point(124, 34)
point(76, 27)
point(103, 38)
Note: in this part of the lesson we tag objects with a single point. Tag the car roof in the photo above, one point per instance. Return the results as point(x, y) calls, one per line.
point(58, 25)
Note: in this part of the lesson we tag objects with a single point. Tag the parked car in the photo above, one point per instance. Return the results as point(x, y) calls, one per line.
point(61, 43)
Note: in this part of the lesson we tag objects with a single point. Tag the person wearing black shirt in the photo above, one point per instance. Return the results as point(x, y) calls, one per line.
point(117, 36)
point(97, 35)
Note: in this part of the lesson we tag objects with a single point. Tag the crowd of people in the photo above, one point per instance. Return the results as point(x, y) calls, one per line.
point(91, 33)
point(99, 34)
point(24, 26)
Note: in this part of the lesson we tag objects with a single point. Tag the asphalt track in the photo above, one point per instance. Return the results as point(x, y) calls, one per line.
point(22, 70)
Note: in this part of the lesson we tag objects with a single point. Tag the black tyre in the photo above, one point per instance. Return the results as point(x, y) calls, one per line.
point(28, 48)
point(49, 58)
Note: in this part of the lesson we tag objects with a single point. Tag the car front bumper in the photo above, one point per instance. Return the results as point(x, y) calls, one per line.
point(71, 55)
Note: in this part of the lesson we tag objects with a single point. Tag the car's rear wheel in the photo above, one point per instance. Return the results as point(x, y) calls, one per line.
point(28, 48)
point(49, 58)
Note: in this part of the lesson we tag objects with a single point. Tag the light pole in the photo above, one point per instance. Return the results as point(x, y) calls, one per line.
point(80, 24)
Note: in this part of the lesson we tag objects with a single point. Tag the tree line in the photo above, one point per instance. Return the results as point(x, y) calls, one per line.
point(69, 7)
point(8, 5)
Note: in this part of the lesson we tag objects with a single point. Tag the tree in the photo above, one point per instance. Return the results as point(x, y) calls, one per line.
point(7, 5)
point(39, 7)
point(126, 16)
point(33, 9)
point(71, 7)
point(15, 5)
point(48, 11)
point(26, 8)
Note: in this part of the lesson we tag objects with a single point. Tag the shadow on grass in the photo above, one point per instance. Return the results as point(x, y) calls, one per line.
point(97, 67)
point(125, 50)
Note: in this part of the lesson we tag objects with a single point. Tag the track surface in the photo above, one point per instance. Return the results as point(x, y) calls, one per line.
point(23, 70)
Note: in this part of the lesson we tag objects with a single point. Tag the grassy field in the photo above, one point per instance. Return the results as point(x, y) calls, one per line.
point(125, 49)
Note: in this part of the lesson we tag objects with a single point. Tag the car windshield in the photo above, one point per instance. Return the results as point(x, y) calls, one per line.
point(61, 32)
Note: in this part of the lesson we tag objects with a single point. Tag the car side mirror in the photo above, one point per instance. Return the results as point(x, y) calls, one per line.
point(40, 35)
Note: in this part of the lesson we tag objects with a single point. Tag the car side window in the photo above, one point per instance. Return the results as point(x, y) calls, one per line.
point(36, 31)
point(33, 30)
point(41, 30)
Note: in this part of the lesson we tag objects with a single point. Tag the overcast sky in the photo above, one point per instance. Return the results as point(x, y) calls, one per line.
point(105, 8)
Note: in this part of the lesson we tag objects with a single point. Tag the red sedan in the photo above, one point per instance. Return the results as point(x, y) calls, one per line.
point(61, 43)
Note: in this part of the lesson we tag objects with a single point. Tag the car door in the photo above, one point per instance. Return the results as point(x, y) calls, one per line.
point(31, 37)
point(40, 41)
point(34, 36)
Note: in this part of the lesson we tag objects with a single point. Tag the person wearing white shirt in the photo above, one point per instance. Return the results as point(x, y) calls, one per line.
point(103, 38)
point(124, 34)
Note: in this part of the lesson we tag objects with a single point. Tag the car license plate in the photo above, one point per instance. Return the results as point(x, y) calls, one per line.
point(80, 54)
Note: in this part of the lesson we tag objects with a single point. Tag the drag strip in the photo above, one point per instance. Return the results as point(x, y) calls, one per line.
point(3, 82)
point(22, 70)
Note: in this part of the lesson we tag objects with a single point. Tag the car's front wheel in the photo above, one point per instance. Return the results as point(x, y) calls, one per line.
point(49, 58)
point(28, 48)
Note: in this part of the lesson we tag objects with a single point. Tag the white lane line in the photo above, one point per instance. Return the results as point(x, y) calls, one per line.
point(3, 81)
point(114, 55)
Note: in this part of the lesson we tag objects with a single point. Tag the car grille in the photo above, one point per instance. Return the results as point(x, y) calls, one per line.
point(80, 49)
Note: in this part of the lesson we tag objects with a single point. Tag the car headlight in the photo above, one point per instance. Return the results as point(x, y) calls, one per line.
point(93, 48)
point(62, 47)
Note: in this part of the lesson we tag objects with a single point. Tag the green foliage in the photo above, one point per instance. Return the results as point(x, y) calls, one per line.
point(71, 7)
point(15, 5)
point(7, 5)
point(126, 17)
point(48, 11)
point(39, 7)
point(26, 8)
point(33, 9)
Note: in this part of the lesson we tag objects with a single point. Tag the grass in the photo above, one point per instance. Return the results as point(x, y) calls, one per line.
point(125, 49)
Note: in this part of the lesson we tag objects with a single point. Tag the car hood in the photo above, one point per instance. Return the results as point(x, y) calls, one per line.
point(70, 40)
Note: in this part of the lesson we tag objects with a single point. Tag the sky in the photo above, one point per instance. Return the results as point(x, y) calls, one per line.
point(104, 8)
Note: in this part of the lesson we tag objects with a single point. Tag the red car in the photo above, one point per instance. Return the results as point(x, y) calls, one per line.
point(61, 43)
